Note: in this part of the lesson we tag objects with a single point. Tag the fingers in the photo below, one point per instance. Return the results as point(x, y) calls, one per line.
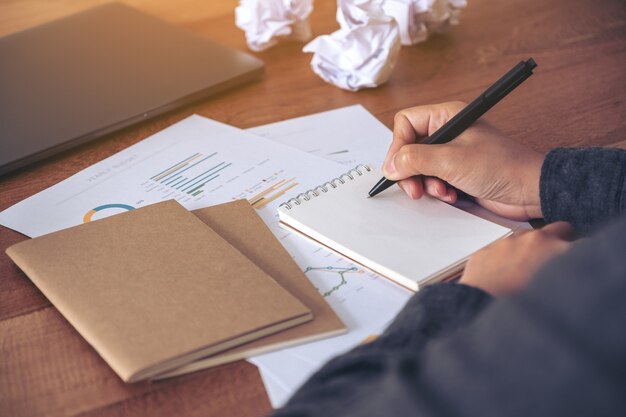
point(508, 265)
point(413, 187)
point(411, 160)
point(403, 134)
point(416, 187)
point(439, 189)
point(416, 122)
point(426, 120)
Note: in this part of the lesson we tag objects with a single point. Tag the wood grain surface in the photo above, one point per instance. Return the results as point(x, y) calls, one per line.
point(576, 97)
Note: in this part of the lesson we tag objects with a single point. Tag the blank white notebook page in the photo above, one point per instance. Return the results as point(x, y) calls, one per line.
point(412, 242)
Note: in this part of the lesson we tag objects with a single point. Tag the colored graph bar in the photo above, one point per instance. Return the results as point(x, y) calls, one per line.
point(208, 171)
point(268, 190)
point(202, 185)
point(174, 178)
point(279, 188)
point(260, 195)
point(193, 165)
point(181, 181)
point(194, 189)
point(167, 169)
point(175, 168)
point(212, 173)
point(261, 203)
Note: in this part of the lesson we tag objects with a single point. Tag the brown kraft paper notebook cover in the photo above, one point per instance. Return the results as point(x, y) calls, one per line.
point(238, 224)
point(155, 288)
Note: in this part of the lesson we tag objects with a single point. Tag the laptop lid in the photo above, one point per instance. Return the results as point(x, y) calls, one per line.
point(86, 75)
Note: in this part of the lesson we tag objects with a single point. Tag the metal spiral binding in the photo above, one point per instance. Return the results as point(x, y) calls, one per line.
point(324, 188)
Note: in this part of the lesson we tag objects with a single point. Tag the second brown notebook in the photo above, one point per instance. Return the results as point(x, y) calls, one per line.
point(239, 224)
point(155, 288)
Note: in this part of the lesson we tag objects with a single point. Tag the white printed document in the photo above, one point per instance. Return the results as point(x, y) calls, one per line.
point(198, 162)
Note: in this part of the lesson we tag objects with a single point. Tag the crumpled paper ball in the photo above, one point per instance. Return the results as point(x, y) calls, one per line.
point(419, 18)
point(363, 52)
point(265, 22)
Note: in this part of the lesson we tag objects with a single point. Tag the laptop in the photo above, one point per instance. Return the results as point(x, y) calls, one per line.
point(84, 76)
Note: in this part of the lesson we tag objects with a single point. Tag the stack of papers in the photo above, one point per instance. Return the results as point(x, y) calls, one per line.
point(200, 163)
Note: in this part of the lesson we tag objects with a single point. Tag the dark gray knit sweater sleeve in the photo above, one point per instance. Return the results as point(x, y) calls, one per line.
point(555, 349)
point(433, 312)
point(583, 186)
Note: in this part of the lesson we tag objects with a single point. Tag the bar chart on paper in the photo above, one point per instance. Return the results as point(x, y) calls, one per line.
point(197, 162)
point(189, 177)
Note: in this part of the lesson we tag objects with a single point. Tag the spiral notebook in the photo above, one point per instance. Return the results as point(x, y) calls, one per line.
point(412, 242)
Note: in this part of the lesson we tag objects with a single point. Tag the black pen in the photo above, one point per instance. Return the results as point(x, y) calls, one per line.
point(472, 112)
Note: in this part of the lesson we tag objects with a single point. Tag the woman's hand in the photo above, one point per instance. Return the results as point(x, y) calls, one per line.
point(500, 173)
point(507, 266)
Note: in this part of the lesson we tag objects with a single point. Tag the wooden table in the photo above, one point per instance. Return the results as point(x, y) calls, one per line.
point(576, 97)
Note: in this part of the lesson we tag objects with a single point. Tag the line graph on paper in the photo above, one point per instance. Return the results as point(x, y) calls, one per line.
point(331, 279)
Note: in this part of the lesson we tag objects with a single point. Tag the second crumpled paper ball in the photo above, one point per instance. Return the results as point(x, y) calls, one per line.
point(419, 18)
point(267, 21)
point(363, 52)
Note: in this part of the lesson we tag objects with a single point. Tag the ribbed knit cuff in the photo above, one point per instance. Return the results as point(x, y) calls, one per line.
point(583, 186)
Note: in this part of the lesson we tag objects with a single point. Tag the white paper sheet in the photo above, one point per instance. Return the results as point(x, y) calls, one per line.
point(348, 135)
point(363, 52)
point(197, 161)
point(266, 22)
point(276, 392)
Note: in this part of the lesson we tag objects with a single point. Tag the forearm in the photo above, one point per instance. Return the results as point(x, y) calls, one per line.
point(583, 186)
point(432, 313)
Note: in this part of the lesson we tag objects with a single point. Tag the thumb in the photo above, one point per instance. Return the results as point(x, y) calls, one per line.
point(418, 159)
